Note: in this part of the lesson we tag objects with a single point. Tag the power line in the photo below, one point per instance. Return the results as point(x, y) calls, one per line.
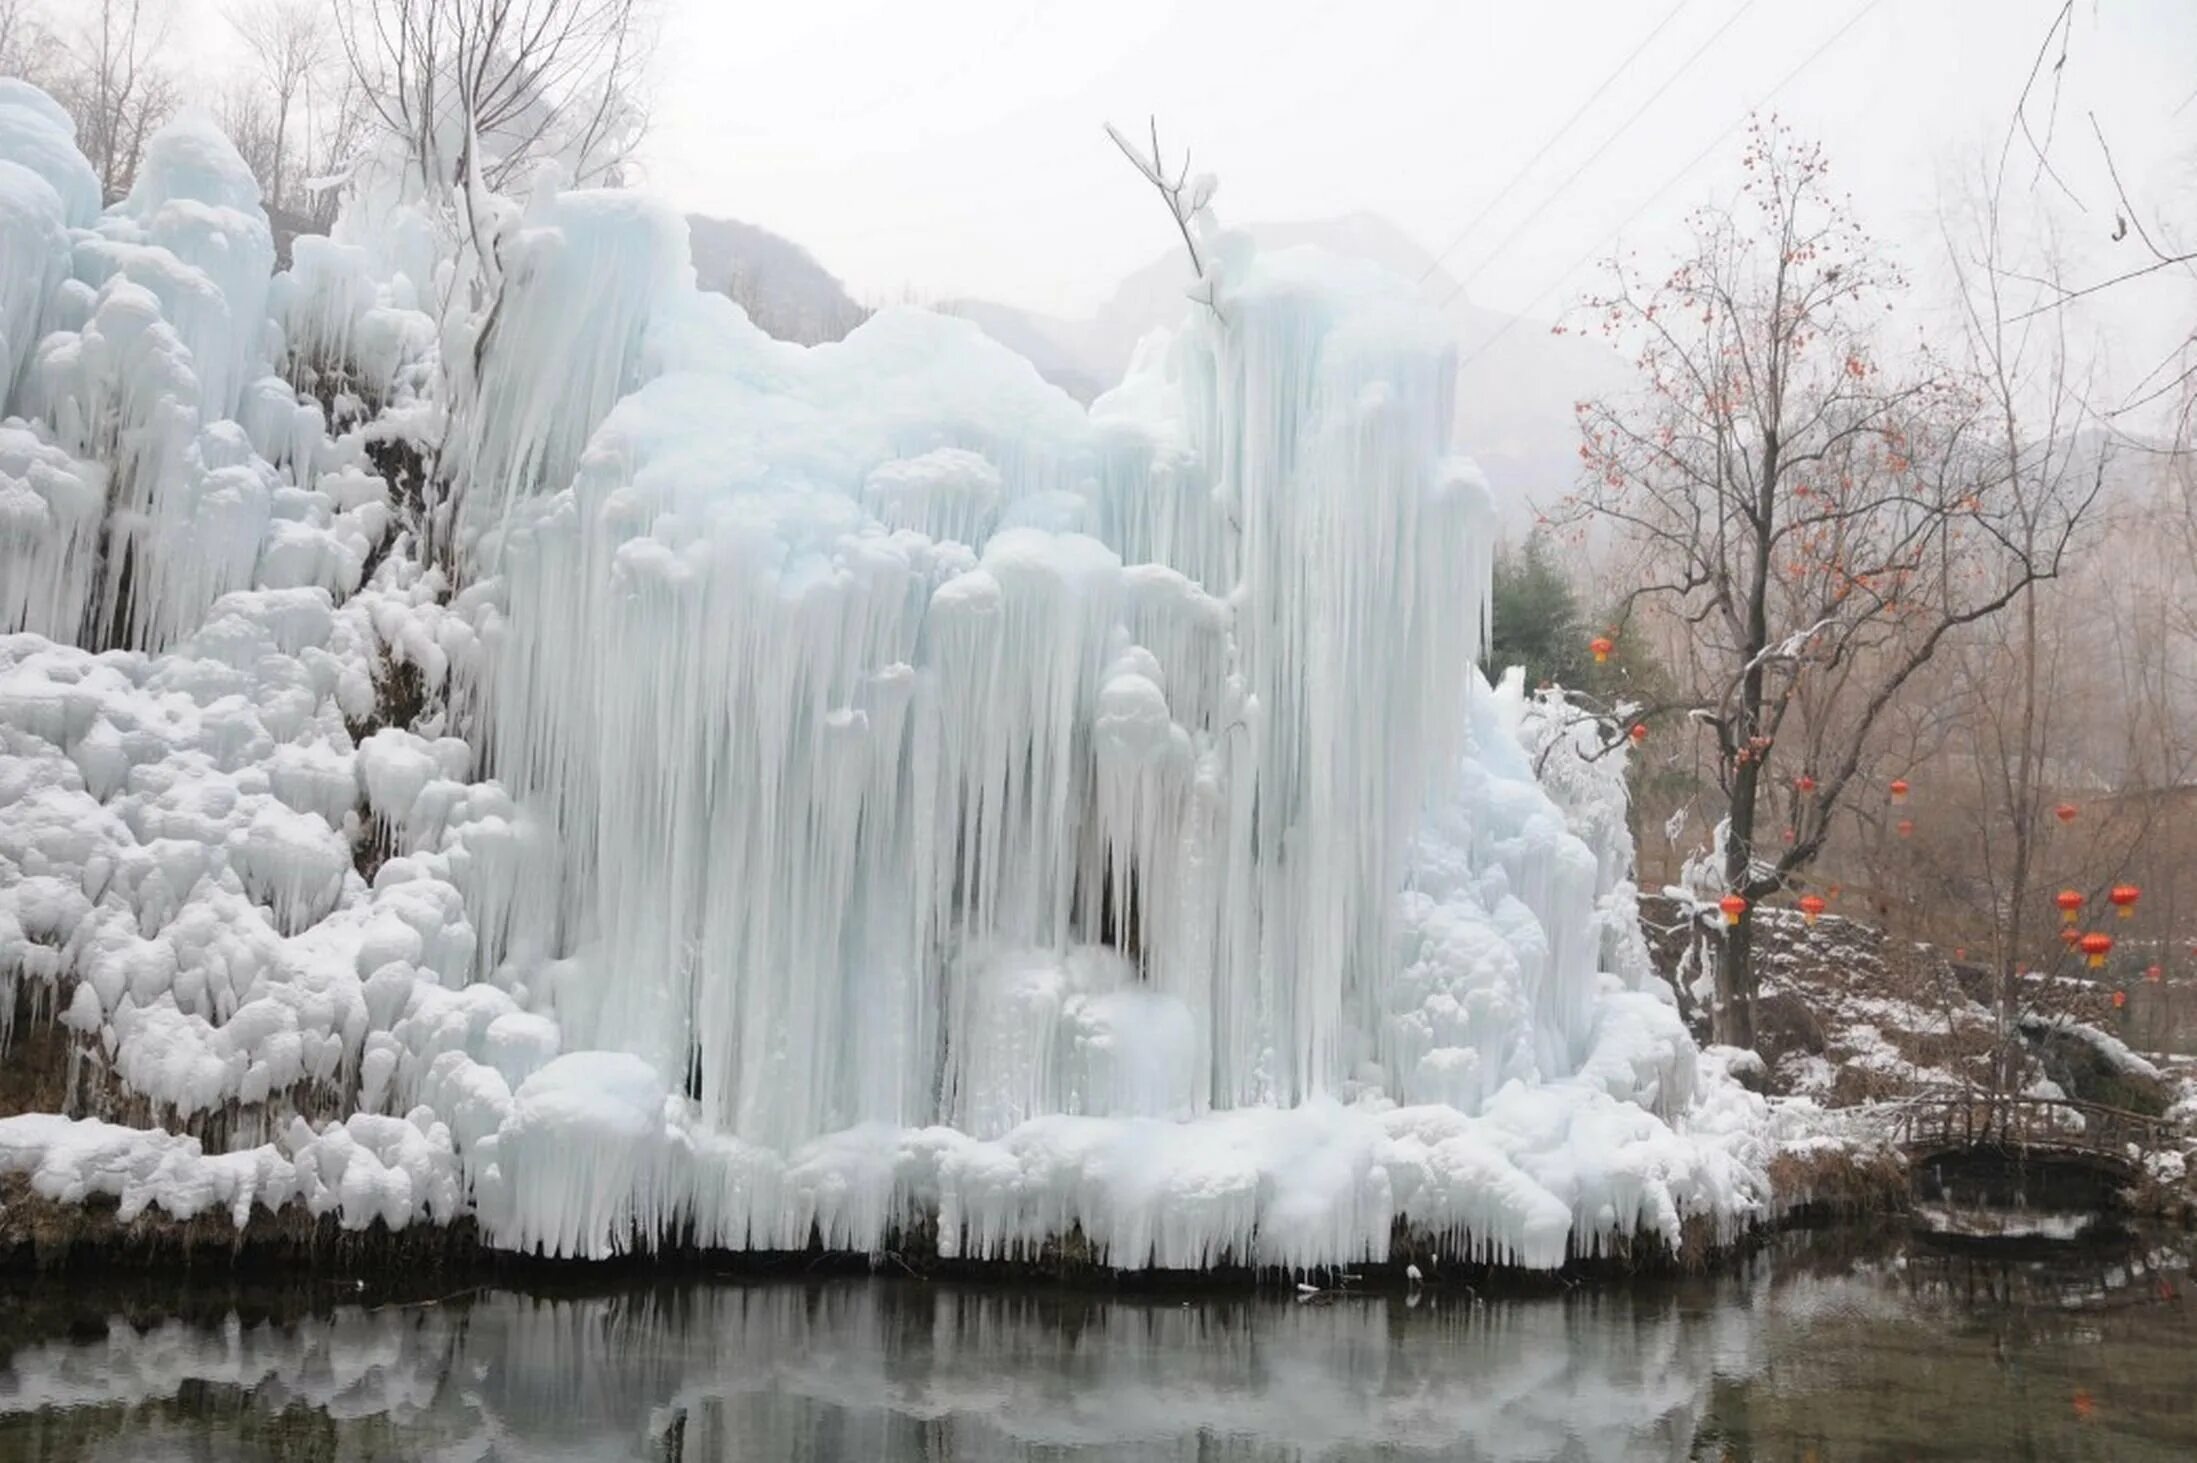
point(1558, 136)
point(1596, 156)
point(1672, 181)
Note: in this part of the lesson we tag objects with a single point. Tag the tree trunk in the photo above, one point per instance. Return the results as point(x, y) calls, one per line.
point(282, 125)
point(2006, 1068)
point(1735, 987)
point(1735, 972)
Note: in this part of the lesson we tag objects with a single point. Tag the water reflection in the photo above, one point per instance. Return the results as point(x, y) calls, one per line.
point(1817, 1349)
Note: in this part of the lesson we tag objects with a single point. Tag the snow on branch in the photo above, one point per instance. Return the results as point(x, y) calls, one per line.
point(1185, 196)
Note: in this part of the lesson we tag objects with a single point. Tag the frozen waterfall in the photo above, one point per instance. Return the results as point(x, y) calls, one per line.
point(887, 694)
point(844, 788)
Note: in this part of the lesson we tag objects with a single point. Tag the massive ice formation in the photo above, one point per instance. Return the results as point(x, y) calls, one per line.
point(915, 798)
point(874, 680)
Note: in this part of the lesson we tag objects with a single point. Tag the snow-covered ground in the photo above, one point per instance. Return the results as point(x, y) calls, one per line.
point(1852, 1023)
point(486, 730)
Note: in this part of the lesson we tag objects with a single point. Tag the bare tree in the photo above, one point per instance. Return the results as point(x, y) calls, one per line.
point(246, 117)
point(114, 86)
point(478, 90)
point(2018, 362)
point(28, 47)
point(2036, 125)
point(1819, 512)
point(338, 112)
point(290, 44)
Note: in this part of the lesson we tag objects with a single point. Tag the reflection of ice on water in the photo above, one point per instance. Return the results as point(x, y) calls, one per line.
point(892, 1370)
point(1983, 1222)
point(845, 1370)
point(347, 1364)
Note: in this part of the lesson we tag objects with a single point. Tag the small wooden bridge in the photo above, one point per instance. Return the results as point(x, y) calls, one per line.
point(1956, 1123)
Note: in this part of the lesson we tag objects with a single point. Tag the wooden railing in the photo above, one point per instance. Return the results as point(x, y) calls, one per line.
point(1949, 1118)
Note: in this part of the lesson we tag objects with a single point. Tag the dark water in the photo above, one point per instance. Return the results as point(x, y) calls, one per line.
point(1822, 1348)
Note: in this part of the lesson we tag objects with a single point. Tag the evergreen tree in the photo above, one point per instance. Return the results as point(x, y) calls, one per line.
point(1535, 619)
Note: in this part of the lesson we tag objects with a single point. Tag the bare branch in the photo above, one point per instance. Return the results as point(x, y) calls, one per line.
point(1182, 199)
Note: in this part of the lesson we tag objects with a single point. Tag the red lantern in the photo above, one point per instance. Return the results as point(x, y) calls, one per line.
point(2124, 898)
point(1960, 952)
point(1601, 645)
point(2070, 903)
point(1639, 732)
point(1899, 789)
point(2097, 945)
point(2120, 999)
point(1906, 827)
point(1812, 905)
point(1788, 835)
point(1805, 783)
point(1734, 907)
point(2065, 812)
point(2154, 973)
point(2071, 937)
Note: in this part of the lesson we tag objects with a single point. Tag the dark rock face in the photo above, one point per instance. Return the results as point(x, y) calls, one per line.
point(1785, 1024)
point(2084, 1070)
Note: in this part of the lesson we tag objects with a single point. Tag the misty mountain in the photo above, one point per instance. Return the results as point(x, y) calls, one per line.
point(779, 283)
point(1058, 348)
point(1516, 382)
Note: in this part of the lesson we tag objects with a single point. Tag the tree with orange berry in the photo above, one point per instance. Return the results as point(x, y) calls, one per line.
point(1813, 505)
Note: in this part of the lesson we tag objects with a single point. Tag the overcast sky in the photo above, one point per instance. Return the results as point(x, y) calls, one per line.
point(930, 150)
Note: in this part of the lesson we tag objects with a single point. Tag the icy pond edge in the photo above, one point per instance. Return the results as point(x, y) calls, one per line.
point(43, 1237)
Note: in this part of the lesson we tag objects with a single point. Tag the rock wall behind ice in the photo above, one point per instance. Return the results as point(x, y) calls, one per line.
point(914, 798)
